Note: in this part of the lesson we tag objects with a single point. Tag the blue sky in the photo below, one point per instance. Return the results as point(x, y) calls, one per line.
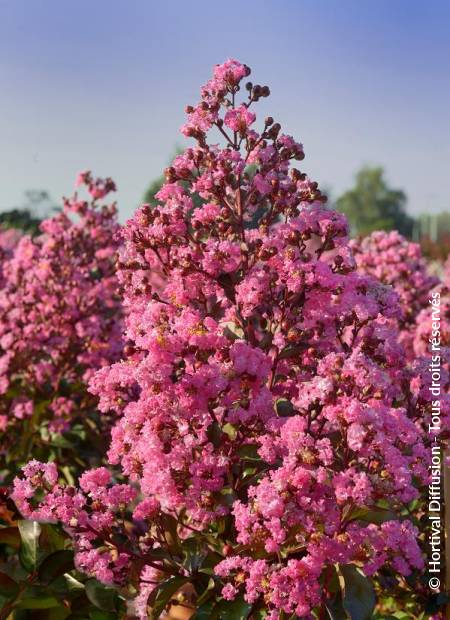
point(102, 84)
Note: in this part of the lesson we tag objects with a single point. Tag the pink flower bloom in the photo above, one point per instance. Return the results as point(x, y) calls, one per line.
point(60, 319)
point(146, 509)
point(239, 119)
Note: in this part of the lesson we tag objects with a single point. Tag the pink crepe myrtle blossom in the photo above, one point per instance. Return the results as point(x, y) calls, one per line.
point(9, 238)
point(239, 119)
point(397, 262)
point(60, 321)
point(263, 402)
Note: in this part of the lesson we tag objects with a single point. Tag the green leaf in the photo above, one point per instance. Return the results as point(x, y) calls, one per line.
point(205, 611)
point(234, 610)
point(51, 538)
point(29, 533)
point(34, 598)
point(58, 441)
point(290, 351)
point(68, 475)
point(161, 597)
point(193, 554)
point(57, 613)
point(284, 408)
point(207, 592)
point(210, 562)
point(226, 496)
point(372, 515)
point(54, 565)
point(96, 614)
point(72, 584)
point(214, 434)
point(10, 536)
point(170, 525)
point(160, 554)
point(8, 587)
point(249, 453)
point(66, 586)
point(230, 430)
point(232, 331)
point(335, 609)
point(101, 596)
point(358, 594)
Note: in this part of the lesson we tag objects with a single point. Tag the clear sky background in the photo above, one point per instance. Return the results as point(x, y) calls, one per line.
point(102, 85)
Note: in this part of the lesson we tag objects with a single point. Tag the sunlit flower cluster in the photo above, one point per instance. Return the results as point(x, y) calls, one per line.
point(267, 416)
point(60, 321)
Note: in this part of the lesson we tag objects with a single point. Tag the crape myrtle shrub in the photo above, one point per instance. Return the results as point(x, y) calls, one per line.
point(395, 261)
point(266, 425)
point(60, 321)
point(425, 303)
point(9, 238)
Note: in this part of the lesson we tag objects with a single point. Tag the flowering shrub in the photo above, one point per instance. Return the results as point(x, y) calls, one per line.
point(425, 303)
point(395, 261)
point(8, 240)
point(60, 321)
point(424, 333)
point(267, 431)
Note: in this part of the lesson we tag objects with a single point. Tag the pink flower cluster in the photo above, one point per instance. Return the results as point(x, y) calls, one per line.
point(425, 309)
point(9, 238)
point(60, 319)
point(399, 263)
point(264, 404)
point(88, 512)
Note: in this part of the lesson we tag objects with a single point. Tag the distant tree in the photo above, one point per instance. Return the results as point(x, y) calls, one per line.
point(28, 216)
point(21, 219)
point(152, 190)
point(373, 205)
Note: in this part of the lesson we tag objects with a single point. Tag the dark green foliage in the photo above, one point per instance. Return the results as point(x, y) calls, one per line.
point(373, 205)
point(30, 214)
point(38, 580)
point(22, 219)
